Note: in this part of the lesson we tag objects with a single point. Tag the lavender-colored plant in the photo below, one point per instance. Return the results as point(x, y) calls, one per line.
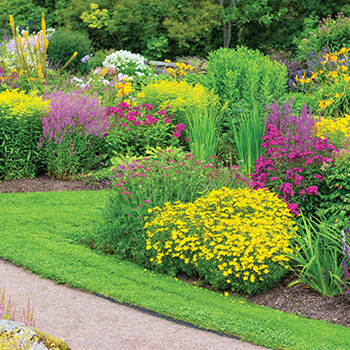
point(73, 133)
point(290, 124)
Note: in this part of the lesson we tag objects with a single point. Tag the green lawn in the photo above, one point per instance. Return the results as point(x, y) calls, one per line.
point(38, 231)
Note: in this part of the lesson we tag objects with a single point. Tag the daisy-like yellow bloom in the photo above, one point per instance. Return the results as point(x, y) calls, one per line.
point(239, 232)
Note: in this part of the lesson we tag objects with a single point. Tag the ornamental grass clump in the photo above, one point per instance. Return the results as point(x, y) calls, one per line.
point(20, 131)
point(138, 128)
point(73, 133)
point(231, 238)
point(147, 183)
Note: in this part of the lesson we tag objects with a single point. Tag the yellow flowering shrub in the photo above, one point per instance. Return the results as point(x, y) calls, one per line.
point(178, 95)
point(232, 238)
point(336, 130)
point(20, 130)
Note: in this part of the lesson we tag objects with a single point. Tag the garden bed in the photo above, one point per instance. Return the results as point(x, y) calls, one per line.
point(298, 299)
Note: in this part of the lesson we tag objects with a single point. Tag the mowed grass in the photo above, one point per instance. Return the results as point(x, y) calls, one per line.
point(39, 231)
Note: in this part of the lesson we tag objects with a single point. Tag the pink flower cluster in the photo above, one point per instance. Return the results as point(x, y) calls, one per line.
point(144, 114)
point(291, 166)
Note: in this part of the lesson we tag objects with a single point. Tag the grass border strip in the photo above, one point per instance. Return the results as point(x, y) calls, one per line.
point(141, 309)
point(166, 318)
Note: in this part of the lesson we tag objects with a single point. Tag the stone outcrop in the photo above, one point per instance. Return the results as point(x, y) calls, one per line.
point(18, 333)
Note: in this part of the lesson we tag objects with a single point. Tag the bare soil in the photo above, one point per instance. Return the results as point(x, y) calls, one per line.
point(298, 299)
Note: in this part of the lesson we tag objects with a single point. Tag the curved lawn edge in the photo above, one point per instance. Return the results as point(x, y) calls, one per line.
point(36, 231)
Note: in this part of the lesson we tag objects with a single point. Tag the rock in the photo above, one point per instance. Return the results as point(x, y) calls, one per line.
point(19, 333)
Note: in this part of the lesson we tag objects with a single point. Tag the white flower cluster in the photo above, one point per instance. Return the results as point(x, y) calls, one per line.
point(128, 63)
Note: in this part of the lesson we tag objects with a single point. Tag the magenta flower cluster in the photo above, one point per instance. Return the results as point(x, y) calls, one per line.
point(144, 114)
point(291, 166)
point(293, 156)
point(137, 128)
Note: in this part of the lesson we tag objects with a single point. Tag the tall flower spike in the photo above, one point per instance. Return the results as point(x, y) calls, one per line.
point(69, 61)
point(45, 42)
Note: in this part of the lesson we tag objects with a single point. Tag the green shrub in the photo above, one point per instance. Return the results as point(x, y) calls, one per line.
point(98, 57)
point(243, 77)
point(20, 131)
point(246, 80)
point(232, 238)
point(335, 197)
point(64, 43)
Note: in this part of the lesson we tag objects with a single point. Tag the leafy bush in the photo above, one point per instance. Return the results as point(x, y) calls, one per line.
point(335, 198)
point(136, 129)
point(243, 77)
point(98, 57)
point(147, 183)
point(73, 135)
point(20, 131)
point(332, 33)
point(232, 238)
point(179, 96)
point(292, 160)
point(64, 43)
point(156, 29)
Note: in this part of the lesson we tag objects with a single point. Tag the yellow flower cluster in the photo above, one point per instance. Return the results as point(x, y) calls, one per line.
point(180, 70)
point(239, 231)
point(337, 79)
point(124, 89)
point(335, 130)
point(16, 104)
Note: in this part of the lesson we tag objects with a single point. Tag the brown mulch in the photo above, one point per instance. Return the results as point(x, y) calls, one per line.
point(44, 183)
point(298, 299)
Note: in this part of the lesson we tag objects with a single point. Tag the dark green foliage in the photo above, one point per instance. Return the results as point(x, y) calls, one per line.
point(64, 43)
point(23, 11)
point(157, 29)
point(335, 197)
point(331, 33)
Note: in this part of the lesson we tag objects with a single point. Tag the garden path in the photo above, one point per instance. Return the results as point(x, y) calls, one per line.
point(88, 322)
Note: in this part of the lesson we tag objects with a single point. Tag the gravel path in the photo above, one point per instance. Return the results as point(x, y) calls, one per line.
point(87, 322)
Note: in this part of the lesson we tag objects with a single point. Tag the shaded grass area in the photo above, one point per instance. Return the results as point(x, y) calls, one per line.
point(38, 231)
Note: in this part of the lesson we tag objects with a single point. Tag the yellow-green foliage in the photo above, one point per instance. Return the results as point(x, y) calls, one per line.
point(178, 95)
point(336, 130)
point(16, 104)
point(233, 238)
point(20, 130)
